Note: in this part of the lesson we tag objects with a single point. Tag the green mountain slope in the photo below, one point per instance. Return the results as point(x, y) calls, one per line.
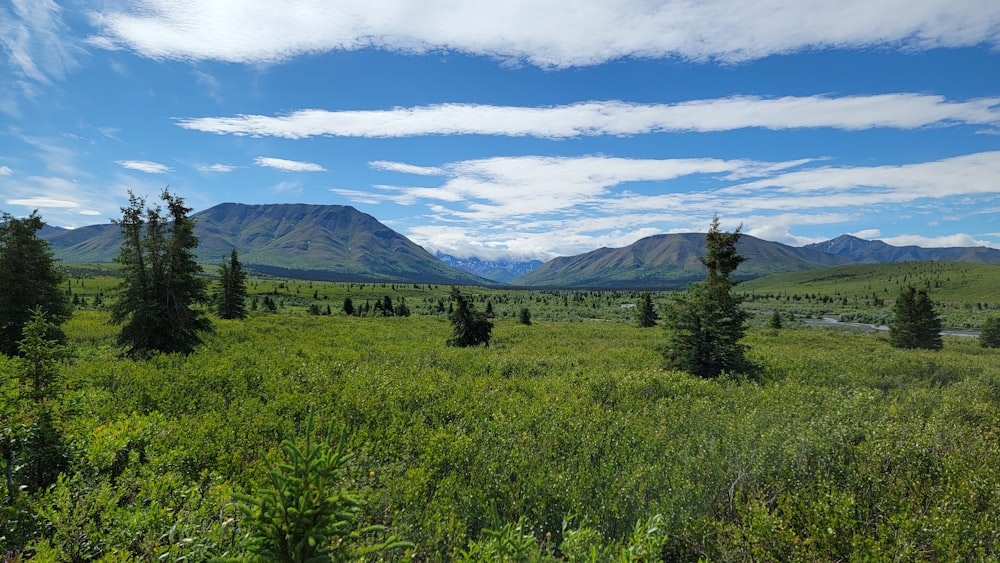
point(945, 281)
point(879, 252)
point(328, 242)
point(668, 261)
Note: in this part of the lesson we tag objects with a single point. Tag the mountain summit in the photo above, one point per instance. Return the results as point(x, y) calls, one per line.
point(323, 242)
point(878, 252)
point(670, 260)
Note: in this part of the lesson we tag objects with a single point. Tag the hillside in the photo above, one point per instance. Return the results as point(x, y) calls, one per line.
point(879, 252)
point(667, 261)
point(971, 284)
point(327, 242)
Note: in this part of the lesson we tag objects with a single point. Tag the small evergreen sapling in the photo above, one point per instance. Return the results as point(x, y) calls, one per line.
point(306, 515)
point(471, 327)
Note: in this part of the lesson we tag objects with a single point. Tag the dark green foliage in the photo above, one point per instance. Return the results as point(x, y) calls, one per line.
point(706, 323)
point(348, 306)
point(989, 335)
point(33, 450)
point(232, 296)
point(307, 515)
point(915, 324)
point(647, 316)
point(29, 278)
point(471, 327)
point(775, 321)
point(45, 453)
point(161, 286)
point(40, 356)
point(524, 317)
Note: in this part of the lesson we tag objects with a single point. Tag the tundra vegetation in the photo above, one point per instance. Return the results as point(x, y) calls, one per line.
point(365, 435)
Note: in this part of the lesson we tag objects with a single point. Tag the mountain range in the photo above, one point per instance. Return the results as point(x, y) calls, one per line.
point(340, 243)
point(321, 242)
point(502, 271)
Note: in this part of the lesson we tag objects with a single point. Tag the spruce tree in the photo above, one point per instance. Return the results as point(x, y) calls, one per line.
point(706, 323)
point(525, 316)
point(989, 335)
point(471, 327)
point(232, 295)
point(29, 278)
point(162, 287)
point(775, 321)
point(915, 324)
point(647, 316)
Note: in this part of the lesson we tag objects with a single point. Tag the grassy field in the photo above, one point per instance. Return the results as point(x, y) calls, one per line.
point(563, 440)
point(964, 294)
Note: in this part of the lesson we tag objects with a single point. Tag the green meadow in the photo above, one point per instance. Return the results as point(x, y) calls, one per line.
point(564, 440)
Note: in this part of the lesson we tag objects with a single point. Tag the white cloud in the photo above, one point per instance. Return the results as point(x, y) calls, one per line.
point(549, 34)
point(44, 202)
point(778, 227)
point(34, 38)
point(405, 168)
point(860, 185)
point(6, 171)
point(869, 234)
point(903, 111)
point(147, 166)
point(288, 187)
point(947, 241)
point(571, 205)
point(288, 165)
point(217, 167)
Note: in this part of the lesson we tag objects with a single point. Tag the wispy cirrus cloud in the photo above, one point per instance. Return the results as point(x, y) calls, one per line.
point(553, 34)
point(288, 165)
point(147, 166)
point(34, 40)
point(613, 117)
point(215, 168)
point(6, 171)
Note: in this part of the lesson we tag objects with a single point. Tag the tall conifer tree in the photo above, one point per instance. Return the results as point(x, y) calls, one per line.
point(647, 316)
point(706, 323)
point(915, 324)
point(162, 285)
point(29, 278)
point(232, 296)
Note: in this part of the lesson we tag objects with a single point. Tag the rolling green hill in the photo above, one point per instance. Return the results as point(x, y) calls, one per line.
point(945, 281)
point(324, 242)
point(670, 261)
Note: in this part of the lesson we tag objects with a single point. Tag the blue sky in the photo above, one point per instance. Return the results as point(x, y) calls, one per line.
point(517, 129)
